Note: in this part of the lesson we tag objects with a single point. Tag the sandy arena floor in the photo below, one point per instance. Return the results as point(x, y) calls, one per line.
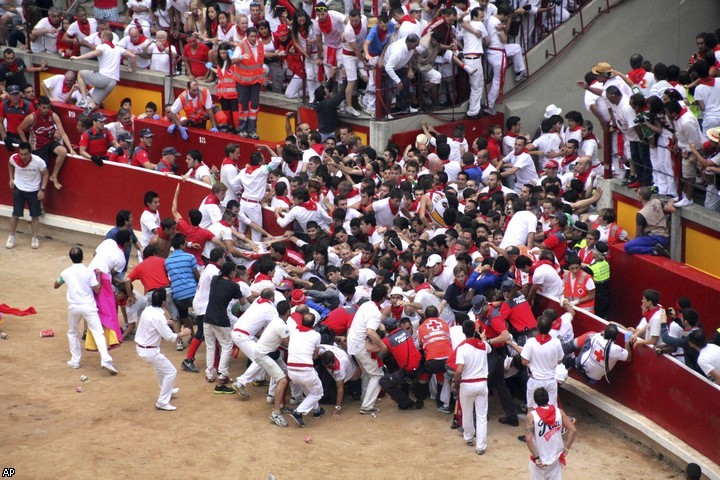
point(112, 430)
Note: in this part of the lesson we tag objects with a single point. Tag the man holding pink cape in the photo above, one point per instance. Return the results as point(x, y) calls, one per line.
point(108, 262)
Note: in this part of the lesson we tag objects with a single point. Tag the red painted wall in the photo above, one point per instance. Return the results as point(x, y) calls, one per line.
point(69, 118)
point(97, 193)
point(658, 388)
point(670, 278)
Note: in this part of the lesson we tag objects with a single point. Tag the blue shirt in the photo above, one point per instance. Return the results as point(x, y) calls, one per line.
point(375, 45)
point(480, 284)
point(180, 269)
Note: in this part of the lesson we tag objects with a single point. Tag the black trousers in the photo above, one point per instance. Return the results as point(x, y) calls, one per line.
point(396, 385)
point(422, 390)
point(496, 381)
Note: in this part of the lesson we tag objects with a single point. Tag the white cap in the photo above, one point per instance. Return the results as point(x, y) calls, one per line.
point(551, 110)
point(422, 139)
point(433, 260)
point(397, 291)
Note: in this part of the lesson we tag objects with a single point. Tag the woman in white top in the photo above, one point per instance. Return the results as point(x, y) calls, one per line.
point(274, 59)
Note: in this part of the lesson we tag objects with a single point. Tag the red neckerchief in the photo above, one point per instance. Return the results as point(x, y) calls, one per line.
point(161, 235)
point(261, 277)
point(556, 324)
point(309, 205)
point(590, 136)
point(84, 27)
point(65, 88)
point(637, 75)
point(393, 210)
point(303, 328)
point(397, 312)
point(326, 25)
point(495, 190)
point(20, 162)
point(263, 300)
point(109, 44)
point(423, 286)
point(165, 162)
point(211, 200)
point(214, 27)
point(568, 160)
point(224, 223)
point(407, 18)
point(650, 313)
point(226, 30)
point(319, 148)
point(284, 199)
point(357, 29)
point(228, 161)
point(160, 49)
point(251, 168)
point(510, 133)
point(543, 338)
point(547, 414)
point(537, 264)
point(314, 196)
point(708, 81)
point(467, 167)
point(461, 286)
point(194, 169)
point(583, 176)
point(141, 39)
point(575, 128)
point(382, 35)
point(154, 212)
point(264, 37)
point(293, 165)
point(474, 342)
point(683, 111)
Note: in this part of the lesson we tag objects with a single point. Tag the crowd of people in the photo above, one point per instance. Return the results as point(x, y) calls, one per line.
point(411, 271)
point(416, 50)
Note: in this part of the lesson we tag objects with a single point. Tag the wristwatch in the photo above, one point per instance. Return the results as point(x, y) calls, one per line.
point(338, 407)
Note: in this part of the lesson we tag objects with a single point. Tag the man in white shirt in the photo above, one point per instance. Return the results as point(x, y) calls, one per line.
point(44, 34)
point(150, 219)
point(353, 61)
point(498, 53)
point(304, 211)
point(474, 36)
point(95, 39)
point(599, 353)
point(82, 283)
point(28, 179)
point(104, 80)
point(161, 54)
point(521, 229)
point(709, 357)
point(328, 27)
point(545, 278)
point(303, 349)
point(342, 368)
point(277, 333)
point(471, 374)
point(542, 354)
point(80, 29)
point(152, 329)
point(210, 206)
point(440, 276)
point(649, 328)
point(363, 328)
point(136, 43)
point(397, 56)
point(521, 165)
point(197, 170)
point(61, 88)
point(229, 170)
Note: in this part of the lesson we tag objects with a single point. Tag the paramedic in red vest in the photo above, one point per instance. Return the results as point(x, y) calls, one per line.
point(402, 358)
point(13, 110)
point(579, 287)
point(249, 57)
point(197, 104)
point(141, 155)
point(95, 142)
point(225, 91)
point(43, 125)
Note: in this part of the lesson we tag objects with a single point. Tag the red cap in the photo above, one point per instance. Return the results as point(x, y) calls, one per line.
point(282, 30)
point(551, 164)
point(297, 297)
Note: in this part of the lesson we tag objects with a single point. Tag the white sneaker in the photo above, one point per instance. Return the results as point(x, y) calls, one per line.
point(270, 399)
point(10, 242)
point(180, 346)
point(110, 368)
point(165, 406)
point(685, 202)
point(72, 364)
point(352, 111)
point(35, 243)
point(414, 110)
point(175, 391)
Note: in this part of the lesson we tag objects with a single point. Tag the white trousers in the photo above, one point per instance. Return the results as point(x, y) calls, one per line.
point(222, 336)
point(371, 375)
point(164, 370)
point(309, 382)
point(550, 386)
point(495, 58)
point(90, 314)
point(476, 85)
point(474, 394)
point(250, 212)
point(247, 346)
point(663, 174)
point(369, 97)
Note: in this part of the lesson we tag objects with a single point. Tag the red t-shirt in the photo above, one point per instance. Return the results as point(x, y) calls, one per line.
point(97, 142)
point(339, 320)
point(195, 235)
point(140, 157)
point(198, 59)
point(151, 273)
point(493, 325)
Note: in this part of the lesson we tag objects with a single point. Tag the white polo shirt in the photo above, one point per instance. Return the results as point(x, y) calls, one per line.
point(543, 359)
point(80, 280)
point(367, 317)
point(302, 347)
point(153, 327)
point(256, 317)
point(149, 221)
point(344, 367)
point(28, 178)
point(272, 336)
point(474, 360)
point(108, 257)
point(202, 295)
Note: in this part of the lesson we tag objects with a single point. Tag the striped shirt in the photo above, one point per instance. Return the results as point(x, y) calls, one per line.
point(180, 269)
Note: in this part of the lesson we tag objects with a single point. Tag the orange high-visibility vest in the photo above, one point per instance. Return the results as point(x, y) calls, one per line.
point(226, 83)
point(580, 289)
point(250, 71)
point(194, 108)
point(613, 232)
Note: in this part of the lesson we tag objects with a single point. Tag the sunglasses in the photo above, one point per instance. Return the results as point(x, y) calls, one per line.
point(321, 9)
